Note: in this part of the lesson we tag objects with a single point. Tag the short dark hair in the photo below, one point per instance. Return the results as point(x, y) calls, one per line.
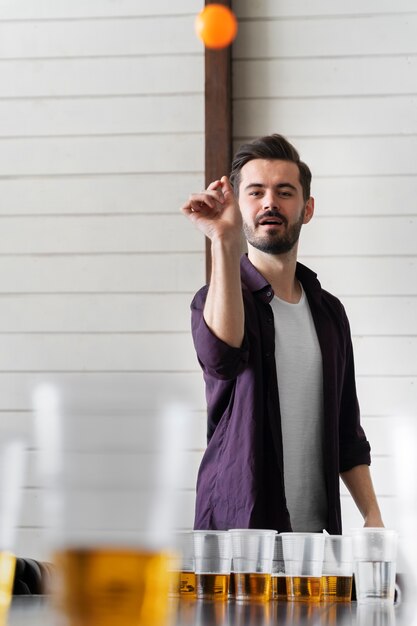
point(270, 147)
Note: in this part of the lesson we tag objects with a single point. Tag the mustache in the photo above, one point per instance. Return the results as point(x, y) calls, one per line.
point(269, 214)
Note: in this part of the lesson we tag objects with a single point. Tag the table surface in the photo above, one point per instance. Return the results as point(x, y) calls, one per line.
point(36, 611)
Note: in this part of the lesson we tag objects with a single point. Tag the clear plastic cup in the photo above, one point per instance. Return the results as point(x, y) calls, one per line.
point(253, 552)
point(375, 556)
point(303, 556)
point(213, 561)
point(182, 570)
point(337, 572)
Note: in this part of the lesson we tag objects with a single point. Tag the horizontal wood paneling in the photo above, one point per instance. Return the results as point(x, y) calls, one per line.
point(191, 461)
point(154, 272)
point(98, 76)
point(32, 513)
point(59, 9)
point(365, 195)
point(272, 78)
point(364, 275)
point(101, 140)
point(360, 236)
point(385, 356)
point(17, 388)
point(289, 8)
point(380, 316)
point(383, 437)
point(131, 193)
point(125, 313)
point(322, 117)
point(23, 422)
point(120, 36)
point(387, 396)
point(92, 234)
point(328, 37)
point(92, 155)
point(102, 116)
point(82, 353)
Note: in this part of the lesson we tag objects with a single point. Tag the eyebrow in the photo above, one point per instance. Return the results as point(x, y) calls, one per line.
point(278, 186)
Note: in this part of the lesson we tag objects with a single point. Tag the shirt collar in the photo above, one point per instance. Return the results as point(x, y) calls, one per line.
point(256, 283)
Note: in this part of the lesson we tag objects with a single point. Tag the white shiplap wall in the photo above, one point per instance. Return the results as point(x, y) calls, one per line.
point(340, 80)
point(101, 140)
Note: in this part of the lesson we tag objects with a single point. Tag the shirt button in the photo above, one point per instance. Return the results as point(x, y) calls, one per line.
point(269, 294)
point(269, 320)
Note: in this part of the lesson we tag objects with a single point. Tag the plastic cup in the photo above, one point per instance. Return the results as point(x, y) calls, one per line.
point(12, 465)
point(252, 551)
point(111, 476)
point(337, 572)
point(182, 570)
point(278, 580)
point(374, 556)
point(213, 560)
point(303, 556)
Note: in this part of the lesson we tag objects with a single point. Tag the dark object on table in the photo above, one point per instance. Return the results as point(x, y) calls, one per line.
point(32, 577)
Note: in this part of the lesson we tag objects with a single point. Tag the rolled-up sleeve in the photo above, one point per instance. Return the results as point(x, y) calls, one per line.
point(216, 357)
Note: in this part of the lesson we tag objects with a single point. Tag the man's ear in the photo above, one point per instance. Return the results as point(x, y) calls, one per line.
point(309, 210)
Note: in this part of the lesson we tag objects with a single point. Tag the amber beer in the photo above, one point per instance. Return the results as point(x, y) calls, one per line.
point(336, 588)
point(278, 588)
point(108, 586)
point(251, 586)
point(7, 568)
point(182, 583)
point(187, 584)
point(212, 586)
point(304, 588)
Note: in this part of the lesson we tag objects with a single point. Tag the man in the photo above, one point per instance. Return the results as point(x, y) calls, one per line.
point(276, 353)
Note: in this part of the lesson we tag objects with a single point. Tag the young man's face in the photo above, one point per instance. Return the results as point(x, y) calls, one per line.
point(272, 205)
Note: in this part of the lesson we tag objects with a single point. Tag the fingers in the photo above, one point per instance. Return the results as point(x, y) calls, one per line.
point(226, 186)
point(209, 202)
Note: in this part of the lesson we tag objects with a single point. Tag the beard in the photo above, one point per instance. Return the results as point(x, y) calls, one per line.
point(275, 242)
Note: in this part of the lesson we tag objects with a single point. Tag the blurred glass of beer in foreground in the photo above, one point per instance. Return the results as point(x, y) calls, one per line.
point(12, 461)
point(303, 556)
point(111, 479)
point(213, 560)
point(337, 572)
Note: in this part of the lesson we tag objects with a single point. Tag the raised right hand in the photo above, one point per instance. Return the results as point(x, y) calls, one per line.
point(215, 211)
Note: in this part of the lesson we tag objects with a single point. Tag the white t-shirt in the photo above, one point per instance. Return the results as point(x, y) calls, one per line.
point(300, 386)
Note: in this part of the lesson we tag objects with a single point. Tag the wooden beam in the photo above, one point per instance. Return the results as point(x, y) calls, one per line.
point(218, 118)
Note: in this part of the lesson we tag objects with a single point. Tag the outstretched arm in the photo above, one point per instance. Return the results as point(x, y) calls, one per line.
point(215, 213)
point(359, 483)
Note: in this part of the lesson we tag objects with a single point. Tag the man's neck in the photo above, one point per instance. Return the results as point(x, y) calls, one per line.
point(279, 271)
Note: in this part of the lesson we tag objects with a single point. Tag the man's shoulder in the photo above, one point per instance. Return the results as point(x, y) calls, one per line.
point(312, 286)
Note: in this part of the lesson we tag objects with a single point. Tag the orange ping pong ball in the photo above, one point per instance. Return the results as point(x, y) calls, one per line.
point(216, 25)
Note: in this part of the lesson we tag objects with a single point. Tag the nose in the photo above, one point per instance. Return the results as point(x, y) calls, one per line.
point(269, 200)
